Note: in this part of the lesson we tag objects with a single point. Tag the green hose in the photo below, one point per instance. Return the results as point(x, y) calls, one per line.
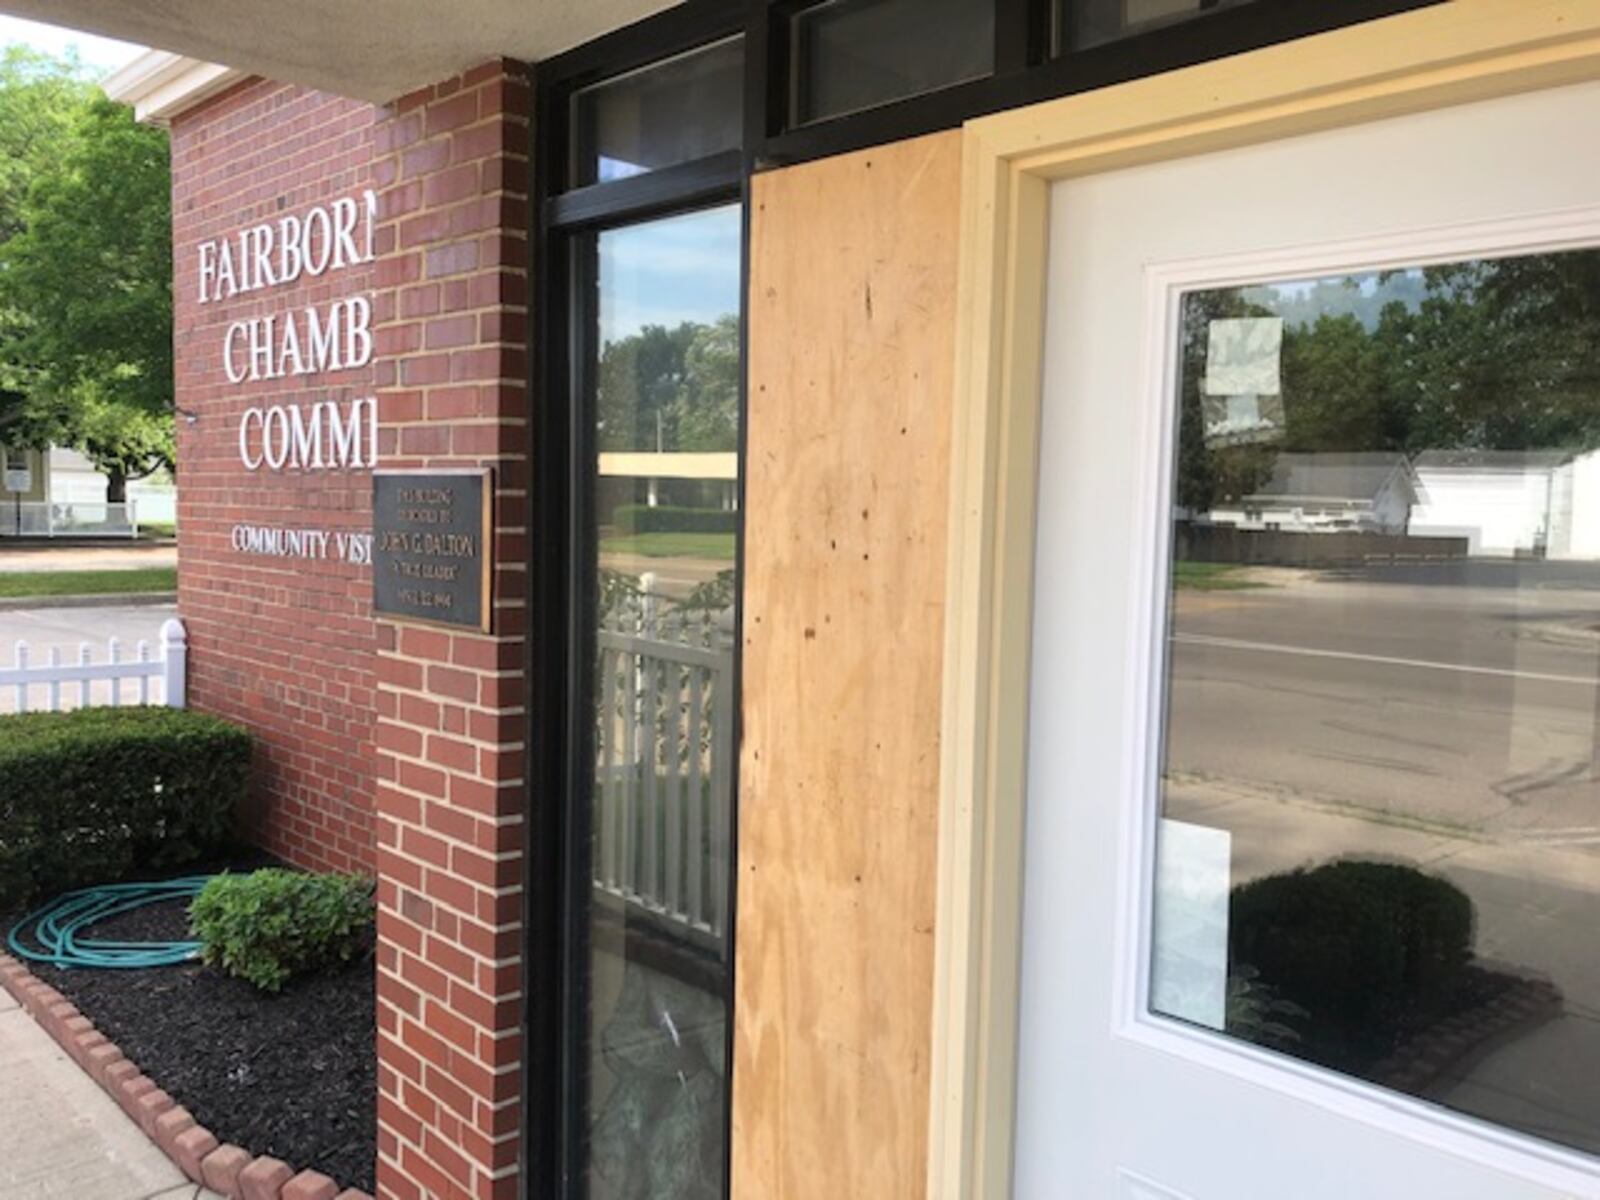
point(56, 928)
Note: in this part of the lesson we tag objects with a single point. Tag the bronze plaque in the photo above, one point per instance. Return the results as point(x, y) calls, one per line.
point(431, 546)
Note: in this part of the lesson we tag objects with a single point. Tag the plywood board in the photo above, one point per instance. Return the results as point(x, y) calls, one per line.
point(852, 322)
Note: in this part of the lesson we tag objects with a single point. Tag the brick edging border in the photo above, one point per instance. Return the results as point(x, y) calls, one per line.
point(220, 1166)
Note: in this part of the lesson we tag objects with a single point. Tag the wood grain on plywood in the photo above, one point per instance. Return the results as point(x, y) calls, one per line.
point(852, 321)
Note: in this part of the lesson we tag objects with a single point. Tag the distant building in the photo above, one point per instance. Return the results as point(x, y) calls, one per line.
point(74, 481)
point(1575, 508)
point(1508, 503)
point(1361, 492)
point(58, 493)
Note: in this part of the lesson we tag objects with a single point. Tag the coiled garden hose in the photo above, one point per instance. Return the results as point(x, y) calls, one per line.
point(57, 928)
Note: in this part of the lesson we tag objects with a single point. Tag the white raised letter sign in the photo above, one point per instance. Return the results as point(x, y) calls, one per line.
point(313, 340)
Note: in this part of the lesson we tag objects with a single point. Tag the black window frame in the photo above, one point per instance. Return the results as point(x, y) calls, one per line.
point(1027, 69)
point(565, 224)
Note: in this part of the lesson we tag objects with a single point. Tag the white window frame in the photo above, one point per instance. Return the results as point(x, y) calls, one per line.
point(1430, 1125)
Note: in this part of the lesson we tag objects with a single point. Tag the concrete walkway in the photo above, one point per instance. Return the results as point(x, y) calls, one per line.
point(87, 558)
point(61, 1137)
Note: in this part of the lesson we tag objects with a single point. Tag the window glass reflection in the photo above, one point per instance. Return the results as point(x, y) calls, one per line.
point(663, 488)
point(1380, 849)
point(1085, 23)
point(855, 54)
point(670, 112)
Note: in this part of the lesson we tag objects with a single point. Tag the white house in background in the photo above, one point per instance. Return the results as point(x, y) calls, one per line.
point(1504, 502)
point(1359, 492)
point(74, 480)
point(58, 493)
point(1575, 508)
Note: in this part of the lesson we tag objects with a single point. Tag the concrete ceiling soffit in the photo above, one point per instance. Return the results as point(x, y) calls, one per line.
point(375, 50)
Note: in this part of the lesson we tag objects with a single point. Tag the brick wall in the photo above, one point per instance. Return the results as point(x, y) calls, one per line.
point(390, 747)
point(283, 645)
point(451, 167)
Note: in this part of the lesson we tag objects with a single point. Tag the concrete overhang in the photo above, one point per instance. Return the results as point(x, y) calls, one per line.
point(374, 50)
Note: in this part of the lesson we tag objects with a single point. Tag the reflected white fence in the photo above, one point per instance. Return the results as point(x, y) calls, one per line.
point(663, 782)
point(149, 677)
point(57, 519)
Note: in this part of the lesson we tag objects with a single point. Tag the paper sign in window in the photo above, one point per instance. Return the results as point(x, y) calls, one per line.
point(1242, 396)
point(1245, 357)
point(1189, 970)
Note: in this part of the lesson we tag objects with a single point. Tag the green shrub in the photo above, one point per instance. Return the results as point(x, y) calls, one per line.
point(93, 795)
point(668, 518)
point(1367, 949)
point(273, 924)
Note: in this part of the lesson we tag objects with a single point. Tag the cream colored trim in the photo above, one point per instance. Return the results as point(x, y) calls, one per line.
point(159, 85)
point(1455, 52)
point(670, 464)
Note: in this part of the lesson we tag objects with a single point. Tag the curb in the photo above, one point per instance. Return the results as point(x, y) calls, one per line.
point(105, 600)
point(222, 1167)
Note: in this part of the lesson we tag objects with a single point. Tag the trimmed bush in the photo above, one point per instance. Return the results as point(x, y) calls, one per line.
point(667, 518)
point(1367, 949)
point(92, 795)
point(273, 924)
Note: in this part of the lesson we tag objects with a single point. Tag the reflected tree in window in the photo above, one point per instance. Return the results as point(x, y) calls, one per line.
point(1382, 740)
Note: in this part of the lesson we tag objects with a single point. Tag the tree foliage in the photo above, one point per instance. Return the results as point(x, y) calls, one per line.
point(1490, 354)
point(672, 389)
point(85, 275)
point(40, 97)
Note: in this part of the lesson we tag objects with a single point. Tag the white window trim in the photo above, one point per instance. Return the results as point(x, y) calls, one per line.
point(1427, 1124)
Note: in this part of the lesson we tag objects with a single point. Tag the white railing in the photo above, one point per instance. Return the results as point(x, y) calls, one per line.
point(27, 686)
point(664, 781)
point(57, 519)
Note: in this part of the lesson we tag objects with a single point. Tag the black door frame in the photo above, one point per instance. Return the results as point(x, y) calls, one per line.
point(1028, 68)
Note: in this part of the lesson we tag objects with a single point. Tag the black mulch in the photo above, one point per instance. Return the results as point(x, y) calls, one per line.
point(291, 1075)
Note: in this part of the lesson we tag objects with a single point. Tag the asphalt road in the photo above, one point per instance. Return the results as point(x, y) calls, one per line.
point(1469, 708)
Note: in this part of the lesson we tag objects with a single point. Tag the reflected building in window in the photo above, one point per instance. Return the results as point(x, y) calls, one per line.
point(1378, 851)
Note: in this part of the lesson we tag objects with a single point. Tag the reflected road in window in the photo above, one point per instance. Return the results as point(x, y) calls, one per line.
point(1381, 841)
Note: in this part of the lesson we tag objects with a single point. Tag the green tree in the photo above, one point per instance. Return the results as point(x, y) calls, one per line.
point(1335, 394)
point(40, 98)
point(707, 407)
point(639, 381)
point(1518, 340)
point(671, 389)
point(86, 297)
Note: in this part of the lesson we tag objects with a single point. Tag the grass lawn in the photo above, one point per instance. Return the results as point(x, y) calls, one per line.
point(152, 530)
point(671, 545)
point(1211, 577)
point(87, 583)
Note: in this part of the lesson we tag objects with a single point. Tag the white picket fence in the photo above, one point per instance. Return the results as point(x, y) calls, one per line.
point(53, 685)
point(68, 519)
point(664, 771)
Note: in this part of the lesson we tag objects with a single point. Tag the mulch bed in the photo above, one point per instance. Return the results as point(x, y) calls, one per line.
point(292, 1075)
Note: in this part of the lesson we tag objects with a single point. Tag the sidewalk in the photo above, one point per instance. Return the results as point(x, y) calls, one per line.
point(33, 556)
point(61, 1137)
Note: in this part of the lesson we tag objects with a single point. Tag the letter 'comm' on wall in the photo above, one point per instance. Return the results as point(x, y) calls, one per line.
point(431, 548)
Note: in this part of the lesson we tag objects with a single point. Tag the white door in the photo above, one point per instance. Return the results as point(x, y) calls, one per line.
point(1312, 896)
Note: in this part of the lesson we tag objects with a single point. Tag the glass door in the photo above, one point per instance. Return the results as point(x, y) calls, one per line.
point(644, 233)
point(663, 424)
